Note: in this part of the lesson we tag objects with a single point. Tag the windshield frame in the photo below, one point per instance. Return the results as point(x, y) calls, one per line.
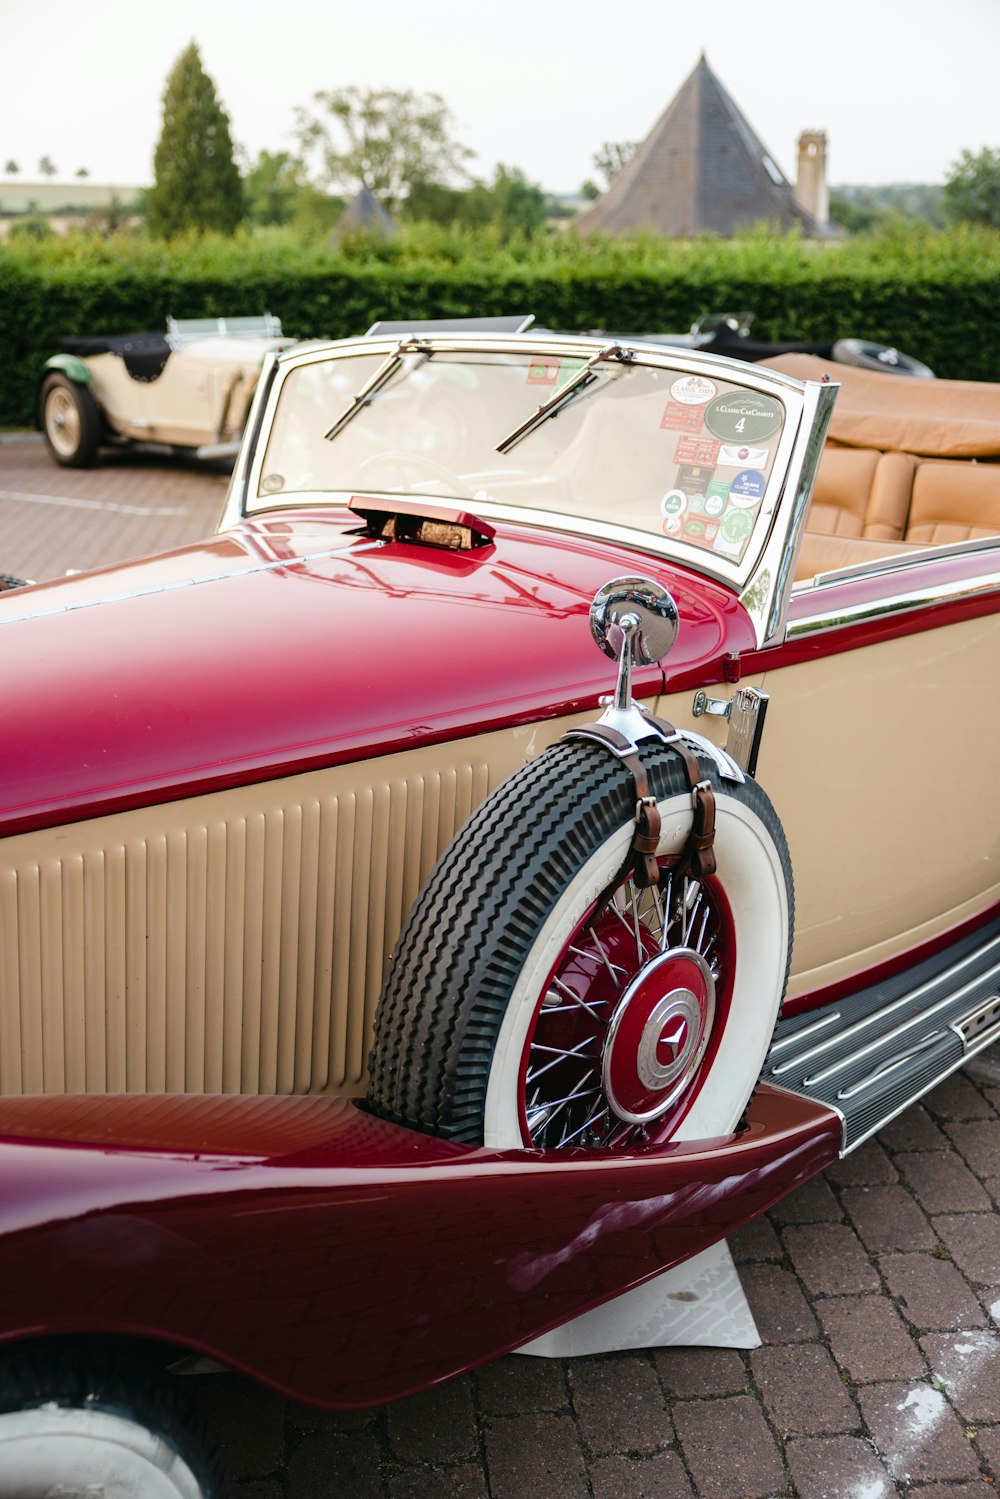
point(769, 554)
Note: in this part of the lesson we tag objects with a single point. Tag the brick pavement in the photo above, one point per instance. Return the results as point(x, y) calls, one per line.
point(876, 1287)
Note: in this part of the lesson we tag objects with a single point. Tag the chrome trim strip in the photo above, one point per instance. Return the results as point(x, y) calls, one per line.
point(905, 999)
point(891, 1065)
point(899, 1030)
point(807, 1030)
point(768, 591)
point(233, 510)
point(916, 557)
point(932, 1082)
point(903, 603)
point(140, 593)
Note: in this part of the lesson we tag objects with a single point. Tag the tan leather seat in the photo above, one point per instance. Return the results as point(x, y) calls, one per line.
point(824, 554)
point(954, 500)
point(861, 493)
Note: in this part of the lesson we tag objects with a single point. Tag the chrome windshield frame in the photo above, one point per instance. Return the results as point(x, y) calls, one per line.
point(762, 579)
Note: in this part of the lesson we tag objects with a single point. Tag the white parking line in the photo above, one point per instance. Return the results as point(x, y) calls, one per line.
point(55, 499)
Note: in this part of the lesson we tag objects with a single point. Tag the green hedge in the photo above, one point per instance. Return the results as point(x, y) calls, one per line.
point(934, 295)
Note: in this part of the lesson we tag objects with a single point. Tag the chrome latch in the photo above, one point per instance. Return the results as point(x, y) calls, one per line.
point(745, 711)
point(718, 707)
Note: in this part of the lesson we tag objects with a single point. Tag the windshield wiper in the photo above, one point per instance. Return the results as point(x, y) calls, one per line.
point(585, 375)
point(385, 372)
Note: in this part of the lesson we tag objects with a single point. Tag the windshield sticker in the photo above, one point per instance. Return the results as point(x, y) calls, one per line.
point(695, 529)
point(747, 488)
point(696, 504)
point(694, 478)
point(543, 372)
point(693, 390)
point(697, 450)
point(715, 500)
point(741, 457)
point(682, 418)
point(674, 503)
point(743, 415)
point(272, 483)
point(734, 529)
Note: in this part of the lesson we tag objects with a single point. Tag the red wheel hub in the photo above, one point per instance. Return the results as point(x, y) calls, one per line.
point(657, 1035)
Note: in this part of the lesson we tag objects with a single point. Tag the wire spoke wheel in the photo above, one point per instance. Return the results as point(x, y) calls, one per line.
point(627, 1017)
point(70, 421)
point(539, 999)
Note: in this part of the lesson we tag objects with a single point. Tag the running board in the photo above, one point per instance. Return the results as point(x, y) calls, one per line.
point(879, 1050)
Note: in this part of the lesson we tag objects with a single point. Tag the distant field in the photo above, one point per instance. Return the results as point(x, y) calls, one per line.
point(56, 197)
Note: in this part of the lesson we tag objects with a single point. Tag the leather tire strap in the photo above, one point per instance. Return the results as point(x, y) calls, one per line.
point(698, 854)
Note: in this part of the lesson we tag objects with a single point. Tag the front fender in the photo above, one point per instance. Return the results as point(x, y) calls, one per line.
point(70, 365)
point(342, 1259)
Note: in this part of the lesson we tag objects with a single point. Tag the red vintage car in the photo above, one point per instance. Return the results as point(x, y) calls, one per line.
point(390, 979)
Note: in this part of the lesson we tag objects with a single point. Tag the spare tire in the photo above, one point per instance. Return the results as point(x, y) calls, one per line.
point(538, 998)
point(882, 357)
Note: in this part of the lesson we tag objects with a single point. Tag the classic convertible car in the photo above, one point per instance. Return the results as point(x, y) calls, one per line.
point(188, 388)
point(389, 979)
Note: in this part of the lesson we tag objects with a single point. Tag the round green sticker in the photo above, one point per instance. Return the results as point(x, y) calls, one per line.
point(736, 526)
point(742, 414)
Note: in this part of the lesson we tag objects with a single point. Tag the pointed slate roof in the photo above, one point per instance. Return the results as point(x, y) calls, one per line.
point(365, 211)
point(701, 169)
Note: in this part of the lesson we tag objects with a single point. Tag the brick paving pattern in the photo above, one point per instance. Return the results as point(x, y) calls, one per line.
point(876, 1287)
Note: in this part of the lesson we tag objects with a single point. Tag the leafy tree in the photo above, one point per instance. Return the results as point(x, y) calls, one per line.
point(388, 140)
point(865, 209)
point(589, 190)
point(30, 226)
point(47, 166)
point(272, 186)
point(197, 185)
point(81, 172)
point(972, 192)
point(611, 157)
point(519, 205)
point(510, 202)
point(11, 168)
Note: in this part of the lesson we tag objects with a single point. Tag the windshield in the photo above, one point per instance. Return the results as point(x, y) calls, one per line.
point(656, 450)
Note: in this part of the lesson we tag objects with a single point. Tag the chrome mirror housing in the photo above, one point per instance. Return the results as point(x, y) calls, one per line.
point(633, 620)
point(653, 610)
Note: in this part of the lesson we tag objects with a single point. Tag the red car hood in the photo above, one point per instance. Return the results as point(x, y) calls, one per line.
point(295, 643)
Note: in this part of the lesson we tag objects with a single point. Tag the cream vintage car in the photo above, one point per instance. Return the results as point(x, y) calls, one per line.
point(389, 976)
point(188, 388)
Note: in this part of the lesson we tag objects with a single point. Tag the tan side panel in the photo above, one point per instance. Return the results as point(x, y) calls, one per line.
point(234, 942)
point(882, 765)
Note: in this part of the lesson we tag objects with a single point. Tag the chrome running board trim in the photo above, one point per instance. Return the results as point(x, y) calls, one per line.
point(885, 1046)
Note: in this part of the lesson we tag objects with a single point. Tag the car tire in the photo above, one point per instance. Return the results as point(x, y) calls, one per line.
point(70, 421)
point(870, 356)
point(75, 1421)
point(527, 953)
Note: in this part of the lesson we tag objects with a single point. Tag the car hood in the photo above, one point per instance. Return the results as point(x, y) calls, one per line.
point(296, 642)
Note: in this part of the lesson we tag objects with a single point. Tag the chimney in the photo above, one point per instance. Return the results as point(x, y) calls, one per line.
point(810, 179)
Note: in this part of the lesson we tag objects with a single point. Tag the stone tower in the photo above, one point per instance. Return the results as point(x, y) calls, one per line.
point(810, 179)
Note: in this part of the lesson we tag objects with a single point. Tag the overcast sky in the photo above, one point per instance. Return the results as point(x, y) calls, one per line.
point(900, 86)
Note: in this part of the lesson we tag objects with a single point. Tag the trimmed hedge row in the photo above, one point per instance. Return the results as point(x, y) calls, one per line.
point(936, 296)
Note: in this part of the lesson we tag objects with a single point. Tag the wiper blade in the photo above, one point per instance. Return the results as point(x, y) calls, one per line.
point(385, 372)
point(584, 376)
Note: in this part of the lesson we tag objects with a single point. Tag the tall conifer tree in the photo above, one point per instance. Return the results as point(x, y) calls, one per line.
point(197, 184)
